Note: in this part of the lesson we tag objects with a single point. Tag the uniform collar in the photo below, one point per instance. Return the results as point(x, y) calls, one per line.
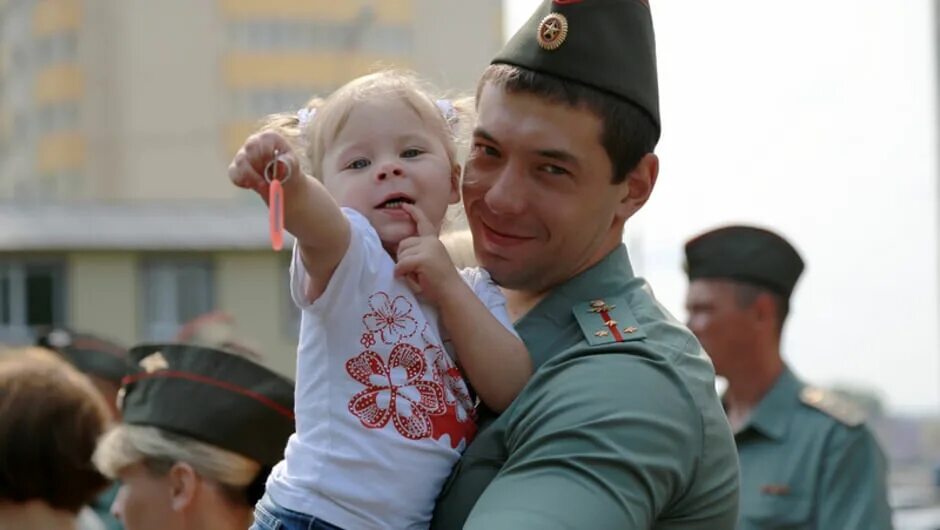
point(552, 316)
point(772, 415)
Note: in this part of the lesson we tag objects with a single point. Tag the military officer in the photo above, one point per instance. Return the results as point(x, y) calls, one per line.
point(620, 426)
point(807, 459)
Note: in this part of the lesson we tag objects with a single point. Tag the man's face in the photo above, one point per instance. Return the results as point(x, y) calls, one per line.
point(719, 322)
point(538, 192)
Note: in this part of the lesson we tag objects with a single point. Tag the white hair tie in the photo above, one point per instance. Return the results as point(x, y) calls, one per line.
point(447, 109)
point(305, 116)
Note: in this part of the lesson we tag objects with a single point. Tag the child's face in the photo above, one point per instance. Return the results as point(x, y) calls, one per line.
point(386, 154)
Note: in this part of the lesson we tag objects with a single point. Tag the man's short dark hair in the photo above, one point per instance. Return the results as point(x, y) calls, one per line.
point(50, 420)
point(746, 294)
point(628, 132)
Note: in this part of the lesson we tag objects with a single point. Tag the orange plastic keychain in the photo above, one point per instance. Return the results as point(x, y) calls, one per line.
point(276, 200)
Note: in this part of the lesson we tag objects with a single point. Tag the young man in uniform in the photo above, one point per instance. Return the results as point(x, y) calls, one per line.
point(807, 460)
point(620, 426)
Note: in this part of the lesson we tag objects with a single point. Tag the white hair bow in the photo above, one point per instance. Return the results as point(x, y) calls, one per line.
point(447, 109)
point(304, 117)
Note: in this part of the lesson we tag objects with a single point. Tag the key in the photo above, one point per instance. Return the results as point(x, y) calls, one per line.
point(276, 199)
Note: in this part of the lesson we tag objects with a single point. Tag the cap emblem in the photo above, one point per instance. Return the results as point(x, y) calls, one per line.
point(553, 30)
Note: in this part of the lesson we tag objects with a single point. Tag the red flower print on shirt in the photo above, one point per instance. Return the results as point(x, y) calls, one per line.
point(455, 388)
point(459, 421)
point(391, 319)
point(395, 391)
point(367, 340)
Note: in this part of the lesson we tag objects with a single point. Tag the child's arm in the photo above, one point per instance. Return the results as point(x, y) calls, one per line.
point(310, 213)
point(495, 361)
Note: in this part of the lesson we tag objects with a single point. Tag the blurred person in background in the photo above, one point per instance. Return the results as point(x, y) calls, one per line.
point(217, 329)
point(51, 417)
point(201, 429)
point(807, 459)
point(105, 364)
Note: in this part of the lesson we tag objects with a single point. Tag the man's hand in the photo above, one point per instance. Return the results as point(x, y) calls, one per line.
point(423, 261)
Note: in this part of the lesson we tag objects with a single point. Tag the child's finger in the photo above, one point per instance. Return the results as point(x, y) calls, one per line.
point(412, 284)
point(243, 174)
point(407, 243)
point(423, 226)
point(405, 265)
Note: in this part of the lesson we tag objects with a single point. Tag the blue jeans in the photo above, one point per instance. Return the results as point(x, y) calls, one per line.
point(270, 516)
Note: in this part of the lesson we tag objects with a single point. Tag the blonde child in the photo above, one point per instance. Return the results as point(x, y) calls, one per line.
point(382, 410)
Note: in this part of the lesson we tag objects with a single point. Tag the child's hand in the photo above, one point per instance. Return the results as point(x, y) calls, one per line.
point(247, 168)
point(423, 261)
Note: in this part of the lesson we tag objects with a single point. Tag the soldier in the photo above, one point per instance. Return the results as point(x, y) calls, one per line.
point(620, 426)
point(807, 460)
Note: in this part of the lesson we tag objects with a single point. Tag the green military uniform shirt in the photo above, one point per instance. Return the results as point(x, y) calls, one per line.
point(807, 462)
point(619, 428)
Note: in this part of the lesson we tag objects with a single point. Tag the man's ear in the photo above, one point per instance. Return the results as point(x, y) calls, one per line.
point(184, 481)
point(638, 185)
point(765, 310)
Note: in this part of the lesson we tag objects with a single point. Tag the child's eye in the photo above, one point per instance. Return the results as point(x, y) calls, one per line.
point(411, 153)
point(359, 163)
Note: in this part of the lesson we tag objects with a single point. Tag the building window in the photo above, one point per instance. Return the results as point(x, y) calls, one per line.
point(256, 103)
point(32, 296)
point(175, 291)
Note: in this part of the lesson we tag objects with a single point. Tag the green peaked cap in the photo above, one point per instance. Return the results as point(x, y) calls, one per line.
point(212, 396)
point(746, 254)
point(608, 45)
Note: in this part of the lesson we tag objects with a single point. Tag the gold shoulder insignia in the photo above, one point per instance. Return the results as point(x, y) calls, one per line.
point(833, 405)
point(604, 321)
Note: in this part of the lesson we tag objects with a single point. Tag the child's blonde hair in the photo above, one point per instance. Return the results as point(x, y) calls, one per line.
point(328, 116)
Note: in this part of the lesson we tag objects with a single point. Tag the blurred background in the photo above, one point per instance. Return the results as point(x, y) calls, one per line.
point(118, 119)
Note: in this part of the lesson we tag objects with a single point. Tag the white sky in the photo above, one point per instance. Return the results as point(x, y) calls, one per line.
point(816, 119)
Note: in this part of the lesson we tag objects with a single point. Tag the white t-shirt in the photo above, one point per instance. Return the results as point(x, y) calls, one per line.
point(382, 412)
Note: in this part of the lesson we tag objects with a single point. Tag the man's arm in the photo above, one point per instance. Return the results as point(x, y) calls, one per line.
point(853, 489)
point(604, 441)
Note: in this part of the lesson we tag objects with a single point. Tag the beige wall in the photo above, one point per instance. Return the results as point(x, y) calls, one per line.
point(171, 99)
point(253, 288)
point(103, 297)
point(456, 39)
point(102, 294)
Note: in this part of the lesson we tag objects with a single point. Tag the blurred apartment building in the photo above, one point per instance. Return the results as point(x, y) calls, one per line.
point(118, 119)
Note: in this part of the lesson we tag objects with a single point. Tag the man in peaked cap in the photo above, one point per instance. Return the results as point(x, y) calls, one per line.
point(807, 460)
point(105, 363)
point(620, 426)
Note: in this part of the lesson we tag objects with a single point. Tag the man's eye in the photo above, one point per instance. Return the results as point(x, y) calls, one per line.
point(486, 149)
point(554, 170)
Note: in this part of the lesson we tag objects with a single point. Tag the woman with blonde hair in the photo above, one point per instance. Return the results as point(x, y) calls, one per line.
point(201, 429)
